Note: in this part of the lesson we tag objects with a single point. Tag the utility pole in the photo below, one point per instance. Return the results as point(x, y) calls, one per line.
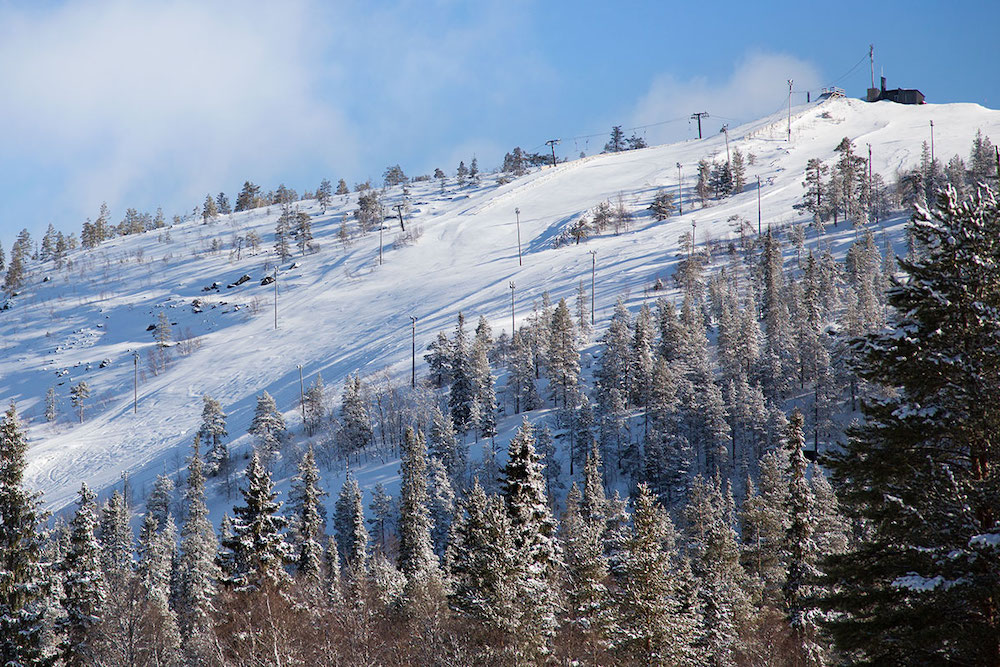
point(551, 143)
point(694, 224)
point(302, 396)
point(758, 205)
point(275, 297)
point(517, 216)
point(789, 111)
point(511, 285)
point(135, 383)
point(413, 345)
point(399, 210)
point(725, 130)
point(593, 282)
point(698, 116)
point(680, 199)
point(381, 228)
point(932, 142)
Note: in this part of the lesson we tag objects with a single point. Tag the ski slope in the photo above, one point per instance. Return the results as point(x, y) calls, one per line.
point(339, 311)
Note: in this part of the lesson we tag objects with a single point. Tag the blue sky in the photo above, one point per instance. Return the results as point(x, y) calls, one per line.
point(157, 104)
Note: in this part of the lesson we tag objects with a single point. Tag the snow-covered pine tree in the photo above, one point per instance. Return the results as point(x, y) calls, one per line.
point(84, 591)
point(222, 204)
point(258, 547)
point(22, 591)
point(919, 473)
point(267, 427)
point(308, 519)
point(78, 394)
point(209, 211)
point(282, 232)
point(213, 432)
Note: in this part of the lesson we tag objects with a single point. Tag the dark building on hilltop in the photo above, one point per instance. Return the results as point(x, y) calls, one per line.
point(899, 95)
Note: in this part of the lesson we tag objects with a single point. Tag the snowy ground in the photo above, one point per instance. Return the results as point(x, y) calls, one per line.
point(340, 312)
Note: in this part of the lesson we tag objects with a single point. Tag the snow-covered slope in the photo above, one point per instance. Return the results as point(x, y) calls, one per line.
point(339, 311)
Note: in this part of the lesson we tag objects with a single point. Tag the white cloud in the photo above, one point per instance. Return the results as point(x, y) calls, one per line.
point(142, 104)
point(137, 99)
point(756, 88)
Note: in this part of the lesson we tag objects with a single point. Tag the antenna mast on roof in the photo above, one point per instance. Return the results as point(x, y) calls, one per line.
point(871, 58)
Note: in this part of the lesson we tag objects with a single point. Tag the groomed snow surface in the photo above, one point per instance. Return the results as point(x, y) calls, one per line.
point(339, 311)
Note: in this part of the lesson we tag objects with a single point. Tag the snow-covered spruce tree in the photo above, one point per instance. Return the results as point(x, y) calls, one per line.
point(483, 382)
point(439, 357)
point(551, 466)
point(920, 473)
point(588, 612)
point(158, 501)
point(315, 405)
point(267, 427)
point(51, 407)
point(308, 518)
point(258, 547)
point(778, 354)
point(764, 521)
point(463, 391)
point(445, 447)
point(802, 553)
point(522, 373)
point(213, 432)
point(116, 542)
point(417, 560)
point(160, 639)
point(485, 569)
point(653, 626)
point(22, 588)
point(440, 504)
point(356, 431)
point(84, 592)
point(716, 566)
point(222, 204)
point(534, 529)
point(563, 360)
point(383, 509)
point(198, 571)
point(349, 525)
